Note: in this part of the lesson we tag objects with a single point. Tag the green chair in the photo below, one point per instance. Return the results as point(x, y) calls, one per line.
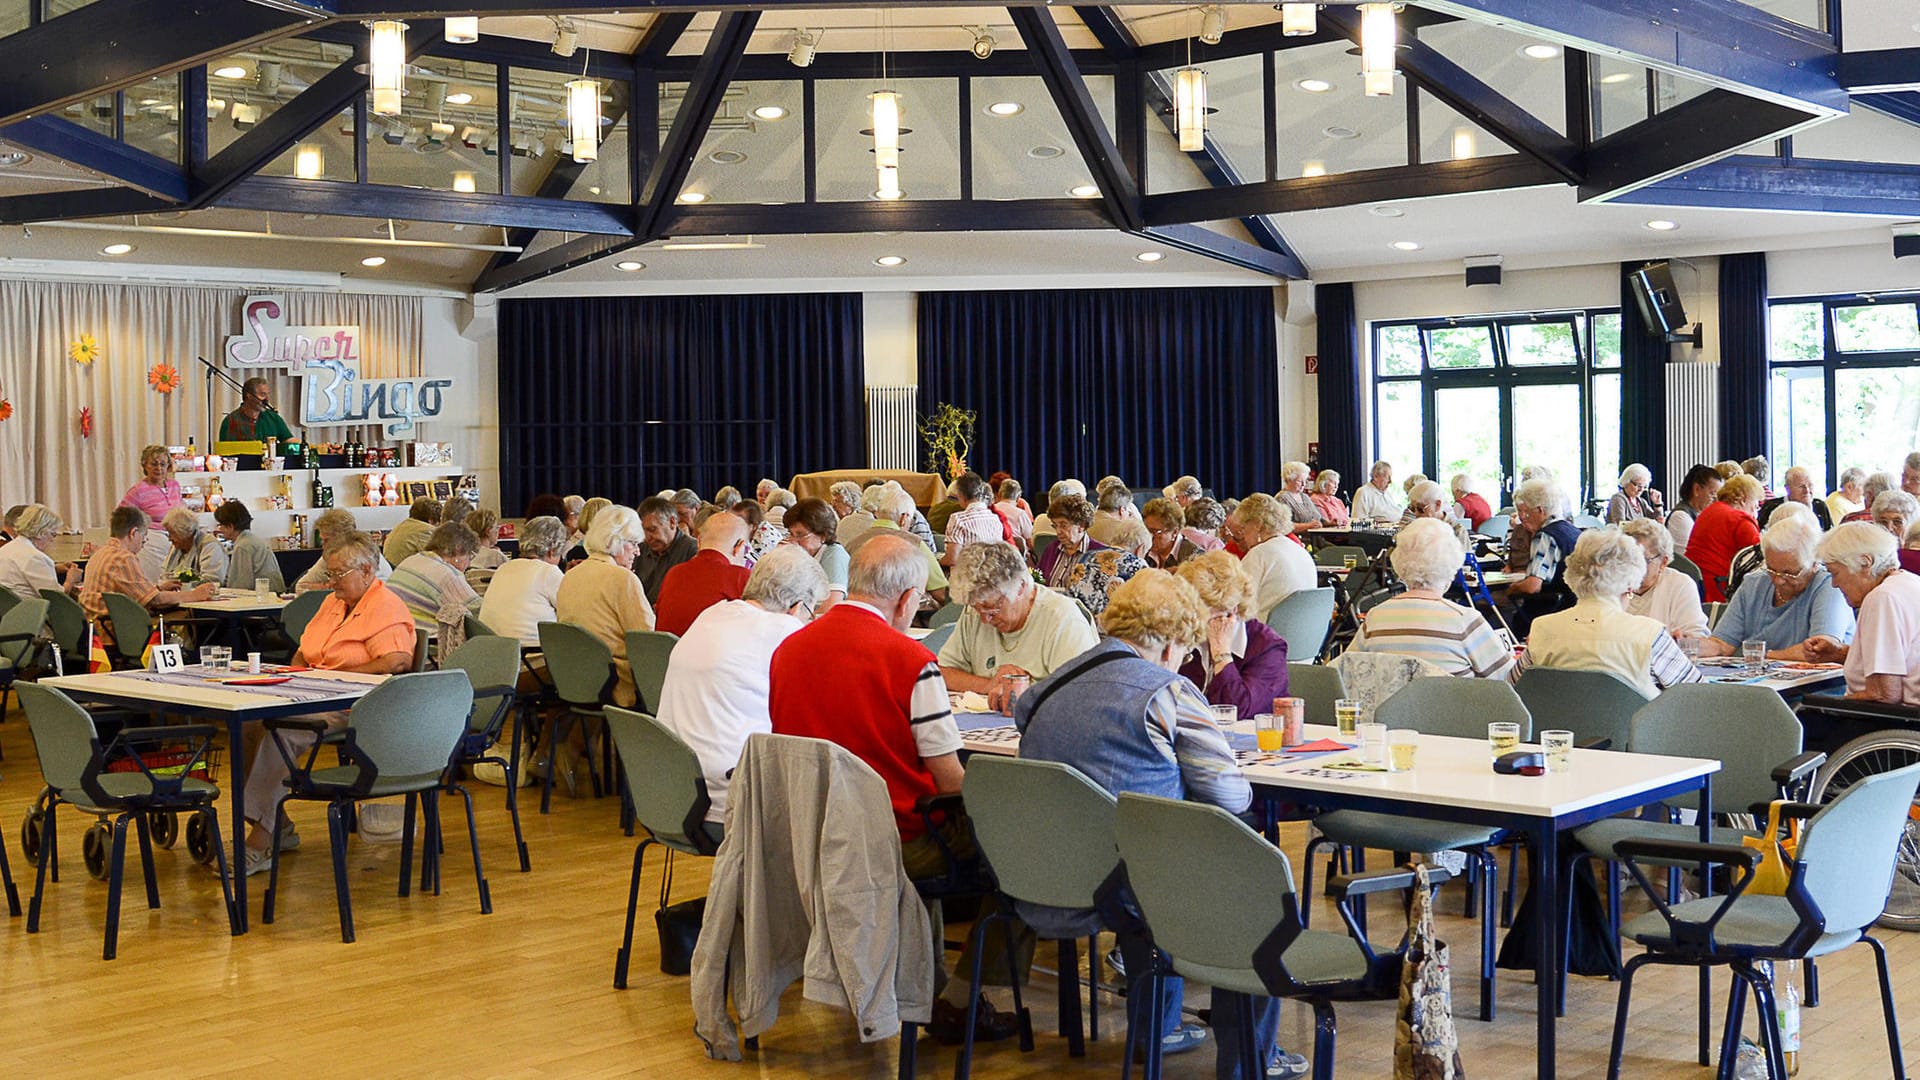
point(68, 621)
point(1237, 940)
point(1838, 883)
point(399, 740)
point(581, 667)
point(669, 798)
point(1714, 611)
point(1687, 567)
point(492, 664)
point(1302, 621)
point(1434, 705)
point(1319, 685)
point(475, 628)
point(1338, 554)
point(647, 653)
point(132, 627)
point(1070, 864)
point(76, 768)
point(1495, 527)
point(1042, 544)
point(948, 614)
point(22, 636)
point(1594, 705)
point(937, 640)
point(300, 611)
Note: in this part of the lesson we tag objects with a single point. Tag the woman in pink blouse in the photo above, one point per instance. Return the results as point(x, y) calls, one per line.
point(157, 491)
point(1326, 496)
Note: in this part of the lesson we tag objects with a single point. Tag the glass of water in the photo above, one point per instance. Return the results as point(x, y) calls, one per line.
point(1225, 716)
point(1502, 737)
point(1373, 743)
point(215, 658)
point(1559, 749)
point(1346, 712)
point(1754, 652)
point(263, 587)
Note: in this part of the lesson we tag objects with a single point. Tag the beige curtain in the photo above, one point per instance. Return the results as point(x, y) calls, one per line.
point(42, 455)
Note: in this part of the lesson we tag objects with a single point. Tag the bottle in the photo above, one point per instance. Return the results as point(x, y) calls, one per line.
point(1786, 1007)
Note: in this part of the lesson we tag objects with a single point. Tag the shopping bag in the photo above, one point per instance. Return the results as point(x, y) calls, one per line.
point(1425, 1044)
point(1771, 875)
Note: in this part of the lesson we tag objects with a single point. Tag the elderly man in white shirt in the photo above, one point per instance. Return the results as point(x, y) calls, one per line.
point(715, 694)
point(1664, 594)
point(1277, 565)
point(1373, 500)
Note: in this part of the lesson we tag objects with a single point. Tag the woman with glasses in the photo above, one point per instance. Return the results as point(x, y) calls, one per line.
point(812, 526)
point(1166, 525)
point(1790, 600)
point(1665, 594)
point(1295, 477)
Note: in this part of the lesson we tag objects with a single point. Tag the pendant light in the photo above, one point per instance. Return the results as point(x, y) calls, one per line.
point(886, 132)
point(1299, 20)
point(1190, 104)
point(583, 117)
point(309, 162)
point(387, 65)
point(1378, 40)
point(463, 29)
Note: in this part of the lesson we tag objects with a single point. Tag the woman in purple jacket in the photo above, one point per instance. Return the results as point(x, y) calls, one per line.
point(1242, 662)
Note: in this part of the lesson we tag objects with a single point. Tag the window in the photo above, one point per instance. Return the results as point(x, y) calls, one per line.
point(1846, 382)
point(1485, 396)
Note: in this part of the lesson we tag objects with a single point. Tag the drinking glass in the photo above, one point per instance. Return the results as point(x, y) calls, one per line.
point(1690, 646)
point(1266, 731)
point(1350, 561)
point(1225, 716)
point(1754, 652)
point(1502, 737)
point(263, 587)
point(1373, 743)
point(1346, 712)
point(214, 658)
point(1559, 748)
point(1016, 685)
point(1401, 745)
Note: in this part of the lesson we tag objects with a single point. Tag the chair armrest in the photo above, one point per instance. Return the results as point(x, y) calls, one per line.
point(160, 734)
point(1397, 879)
point(1686, 851)
point(1868, 710)
point(295, 723)
point(1797, 768)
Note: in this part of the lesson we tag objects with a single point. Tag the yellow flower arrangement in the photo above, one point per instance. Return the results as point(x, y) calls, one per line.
point(85, 350)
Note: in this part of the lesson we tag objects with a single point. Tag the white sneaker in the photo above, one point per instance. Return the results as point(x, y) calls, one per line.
point(1286, 1063)
point(258, 860)
point(380, 823)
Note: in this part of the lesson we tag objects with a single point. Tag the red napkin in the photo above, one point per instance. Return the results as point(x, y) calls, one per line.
point(1318, 746)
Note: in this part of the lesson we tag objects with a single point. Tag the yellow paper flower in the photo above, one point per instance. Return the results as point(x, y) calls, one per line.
point(85, 350)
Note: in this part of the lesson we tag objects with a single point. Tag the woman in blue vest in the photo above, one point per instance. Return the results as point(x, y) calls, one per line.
point(1122, 714)
point(1541, 507)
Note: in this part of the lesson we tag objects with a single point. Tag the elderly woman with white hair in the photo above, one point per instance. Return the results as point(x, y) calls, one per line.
point(1373, 501)
point(1598, 633)
point(1095, 574)
point(1325, 494)
point(25, 566)
point(1665, 594)
point(1295, 478)
point(1541, 507)
point(1276, 565)
point(1469, 505)
point(1185, 490)
point(603, 596)
point(1519, 537)
point(522, 593)
point(715, 694)
point(1421, 622)
point(1013, 510)
point(1849, 497)
point(1636, 497)
point(1790, 599)
point(764, 490)
point(1799, 490)
point(1204, 517)
point(844, 498)
point(1895, 511)
point(196, 555)
point(866, 510)
point(1883, 662)
point(1011, 626)
point(1427, 499)
point(1241, 661)
point(1125, 507)
point(1043, 524)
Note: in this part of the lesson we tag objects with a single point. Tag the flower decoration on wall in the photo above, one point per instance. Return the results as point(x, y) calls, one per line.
point(164, 377)
point(86, 421)
point(6, 408)
point(949, 435)
point(84, 350)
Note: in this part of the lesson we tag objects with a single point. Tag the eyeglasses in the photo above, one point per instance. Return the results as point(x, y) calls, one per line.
point(1784, 575)
point(340, 575)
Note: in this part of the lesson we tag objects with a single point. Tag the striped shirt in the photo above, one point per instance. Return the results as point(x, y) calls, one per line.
point(1181, 728)
point(1444, 634)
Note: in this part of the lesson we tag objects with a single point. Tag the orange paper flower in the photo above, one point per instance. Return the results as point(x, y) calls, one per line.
point(164, 378)
point(6, 409)
point(86, 422)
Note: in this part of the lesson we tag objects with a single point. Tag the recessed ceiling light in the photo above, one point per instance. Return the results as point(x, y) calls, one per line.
point(1005, 108)
point(1540, 51)
point(1387, 211)
point(116, 249)
point(1314, 86)
point(771, 112)
point(1044, 150)
point(1084, 191)
point(1405, 245)
point(726, 157)
point(1616, 78)
point(374, 260)
point(890, 196)
point(1338, 132)
point(13, 159)
point(692, 197)
point(629, 266)
point(1662, 225)
point(890, 260)
point(231, 71)
point(1151, 256)
point(461, 98)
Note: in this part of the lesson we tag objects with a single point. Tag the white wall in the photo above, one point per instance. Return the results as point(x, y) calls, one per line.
point(471, 418)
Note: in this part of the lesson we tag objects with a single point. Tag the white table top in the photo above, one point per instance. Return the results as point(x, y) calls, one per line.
point(1448, 772)
point(212, 695)
point(238, 602)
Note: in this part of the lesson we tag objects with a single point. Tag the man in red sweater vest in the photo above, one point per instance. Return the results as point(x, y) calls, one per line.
point(715, 573)
point(889, 709)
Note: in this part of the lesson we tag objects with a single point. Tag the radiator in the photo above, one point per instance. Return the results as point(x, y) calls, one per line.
point(893, 427)
point(1693, 419)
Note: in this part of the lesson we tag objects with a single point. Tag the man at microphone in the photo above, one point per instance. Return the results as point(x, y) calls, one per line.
point(254, 420)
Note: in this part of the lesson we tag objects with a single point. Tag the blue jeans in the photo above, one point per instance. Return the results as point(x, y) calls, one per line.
point(1135, 954)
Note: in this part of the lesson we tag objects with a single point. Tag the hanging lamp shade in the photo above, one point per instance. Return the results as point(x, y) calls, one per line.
point(387, 65)
point(583, 118)
point(463, 29)
point(1190, 107)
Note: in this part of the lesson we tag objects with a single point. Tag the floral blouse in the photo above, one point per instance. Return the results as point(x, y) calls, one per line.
point(1096, 574)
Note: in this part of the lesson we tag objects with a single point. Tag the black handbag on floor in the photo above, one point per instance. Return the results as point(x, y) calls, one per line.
point(679, 926)
point(1592, 949)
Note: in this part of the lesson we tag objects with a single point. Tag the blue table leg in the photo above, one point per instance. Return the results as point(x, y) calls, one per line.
point(237, 802)
point(1547, 961)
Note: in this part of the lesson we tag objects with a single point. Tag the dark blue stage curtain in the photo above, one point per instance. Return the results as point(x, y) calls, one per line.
point(1643, 388)
point(1146, 384)
point(1341, 382)
point(1745, 424)
point(624, 396)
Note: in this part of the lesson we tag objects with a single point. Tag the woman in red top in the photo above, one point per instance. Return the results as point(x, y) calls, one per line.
point(1473, 507)
point(1723, 528)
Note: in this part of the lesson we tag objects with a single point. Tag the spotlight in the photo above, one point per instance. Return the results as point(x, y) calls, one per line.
point(1213, 25)
point(245, 115)
point(269, 73)
point(983, 43)
point(1299, 20)
point(800, 53)
point(566, 37)
point(463, 29)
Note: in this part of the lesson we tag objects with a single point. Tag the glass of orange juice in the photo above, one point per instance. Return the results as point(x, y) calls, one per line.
point(1267, 732)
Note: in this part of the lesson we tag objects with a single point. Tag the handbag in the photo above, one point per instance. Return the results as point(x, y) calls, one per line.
point(1771, 875)
point(1426, 1046)
point(679, 928)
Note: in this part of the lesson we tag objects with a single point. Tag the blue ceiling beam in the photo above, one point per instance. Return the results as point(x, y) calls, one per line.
point(1768, 183)
point(56, 137)
point(112, 44)
point(1880, 70)
point(906, 215)
point(1693, 133)
point(1724, 42)
point(1119, 191)
point(75, 204)
point(1367, 186)
point(1901, 105)
point(279, 194)
point(1200, 241)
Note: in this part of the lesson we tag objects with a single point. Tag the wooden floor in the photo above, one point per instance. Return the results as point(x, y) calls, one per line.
point(433, 988)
